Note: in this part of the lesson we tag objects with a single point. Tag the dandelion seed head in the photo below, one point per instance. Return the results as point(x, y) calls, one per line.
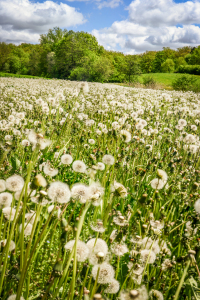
point(59, 192)
point(5, 199)
point(14, 183)
point(106, 273)
point(66, 159)
point(79, 166)
point(82, 249)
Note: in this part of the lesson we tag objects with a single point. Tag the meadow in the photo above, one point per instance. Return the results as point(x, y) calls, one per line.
point(99, 192)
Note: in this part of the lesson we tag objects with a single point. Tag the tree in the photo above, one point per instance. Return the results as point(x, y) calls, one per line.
point(131, 66)
point(146, 62)
point(93, 68)
point(71, 49)
point(168, 66)
point(52, 37)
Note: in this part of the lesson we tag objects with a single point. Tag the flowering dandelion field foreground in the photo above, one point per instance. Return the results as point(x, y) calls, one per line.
point(99, 192)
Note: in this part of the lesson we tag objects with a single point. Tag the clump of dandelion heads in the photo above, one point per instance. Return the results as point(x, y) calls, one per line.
point(14, 296)
point(106, 273)
point(108, 159)
point(126, 136)
point(119, 190)
point(66, 159)
point(157, 183)
point(2, 185)
point(148, 256)
point(48, 170)
point(14, 183)
point(113, 287)
point(27, 228)
point(5, 199)
point(37, 139)
point(82, 249)
point(9, 213)
point(156, 295)
point(197, 206)
point(59, 192)
point(3, 244)
point(79, 166)
point(80, 192)
point(156, 226)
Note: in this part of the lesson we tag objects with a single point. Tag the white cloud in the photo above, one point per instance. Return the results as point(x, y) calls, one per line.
point(156, 13)
point(152, 25)
point(23, 20)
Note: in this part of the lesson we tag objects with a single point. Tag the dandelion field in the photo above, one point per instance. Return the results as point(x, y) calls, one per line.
point(99, 192)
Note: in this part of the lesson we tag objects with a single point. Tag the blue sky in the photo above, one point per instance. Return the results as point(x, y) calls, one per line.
point(121, 25)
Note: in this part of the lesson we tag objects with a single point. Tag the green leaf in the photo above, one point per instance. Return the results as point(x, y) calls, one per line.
point(15, 162)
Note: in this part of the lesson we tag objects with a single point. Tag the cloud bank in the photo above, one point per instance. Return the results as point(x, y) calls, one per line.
point(152, 25)
point(24, 21)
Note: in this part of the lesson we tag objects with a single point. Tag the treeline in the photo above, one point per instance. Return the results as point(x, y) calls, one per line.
point(78, 56)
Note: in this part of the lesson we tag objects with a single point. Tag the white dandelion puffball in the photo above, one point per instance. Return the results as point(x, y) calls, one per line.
point(27, 228)
point(48, 170)
point(2, 185)
point(162, 175)
point(108, 159)
point(182, 122)
point(82, 250)
point(59, 192)
point(9, 213)
point(66, 159)
point(106, 273)
point(14, 183)
point(157, 183)
point(197, 206)
point(119, 249)
point(100, 166)
point(5, 199)
point(80, 192)
point(79, 166)
point(13, 297)
point(12, 244)
point(96, 246)
point(113, 287)
point(148, 256)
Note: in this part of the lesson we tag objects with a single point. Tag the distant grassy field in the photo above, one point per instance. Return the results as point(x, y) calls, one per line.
point(165, 79)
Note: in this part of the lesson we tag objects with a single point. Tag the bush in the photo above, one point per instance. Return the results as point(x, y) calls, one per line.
point(185, 83)
point(189, 69)
point(149, 81)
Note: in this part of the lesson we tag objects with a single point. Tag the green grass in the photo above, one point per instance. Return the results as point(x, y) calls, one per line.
point(165, 79)
point(2, 74)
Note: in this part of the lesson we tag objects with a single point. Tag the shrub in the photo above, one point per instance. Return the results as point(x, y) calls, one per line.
point(189, 69)
point(149, 81)
point(184, 83)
